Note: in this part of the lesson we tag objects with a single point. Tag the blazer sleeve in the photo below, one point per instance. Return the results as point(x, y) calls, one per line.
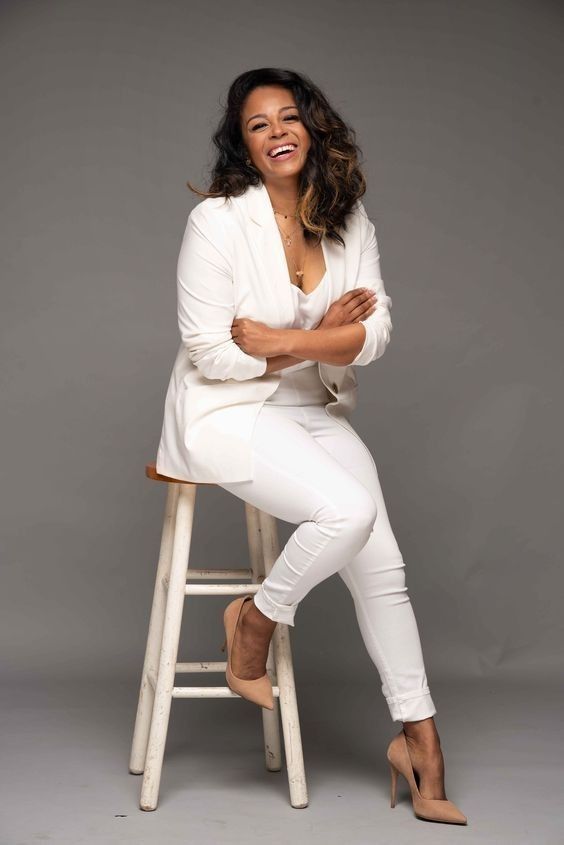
point(206, 307)
point(378, 326)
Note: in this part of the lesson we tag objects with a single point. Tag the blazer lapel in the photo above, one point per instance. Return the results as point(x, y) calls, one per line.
point(264, 235)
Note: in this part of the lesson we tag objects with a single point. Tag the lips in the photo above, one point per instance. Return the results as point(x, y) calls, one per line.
point(286, 154)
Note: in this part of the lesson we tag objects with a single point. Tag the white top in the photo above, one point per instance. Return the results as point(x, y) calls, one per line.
point(216, 390)
point(301, 383)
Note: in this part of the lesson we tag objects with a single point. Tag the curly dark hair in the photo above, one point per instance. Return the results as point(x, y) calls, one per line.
point(331, 180)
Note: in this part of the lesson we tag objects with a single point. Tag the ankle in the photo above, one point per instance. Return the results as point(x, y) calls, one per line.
point(423, 738)
point(252, 619)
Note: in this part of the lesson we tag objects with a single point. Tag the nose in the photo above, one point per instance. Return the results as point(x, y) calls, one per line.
point(278, 130)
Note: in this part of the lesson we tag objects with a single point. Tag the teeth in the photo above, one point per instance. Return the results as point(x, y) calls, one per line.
point(288, 147)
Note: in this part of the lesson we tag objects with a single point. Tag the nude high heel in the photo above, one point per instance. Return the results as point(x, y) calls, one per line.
point(257, 690)
point(430, 809)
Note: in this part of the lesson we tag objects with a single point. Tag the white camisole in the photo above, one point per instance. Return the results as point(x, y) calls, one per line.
point(301, 383)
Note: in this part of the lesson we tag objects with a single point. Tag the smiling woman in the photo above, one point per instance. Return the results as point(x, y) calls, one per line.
point(268, 108)
point(280, 296)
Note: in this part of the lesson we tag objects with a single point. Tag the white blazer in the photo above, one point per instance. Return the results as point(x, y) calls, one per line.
point(232, 264)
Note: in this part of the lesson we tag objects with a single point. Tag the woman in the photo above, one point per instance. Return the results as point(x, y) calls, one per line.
point(279, 295)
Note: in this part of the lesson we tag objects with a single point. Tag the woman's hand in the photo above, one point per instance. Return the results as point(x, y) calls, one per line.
point(255, 338)
point(351, 307)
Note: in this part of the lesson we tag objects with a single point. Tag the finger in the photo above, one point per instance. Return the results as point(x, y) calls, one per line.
point(361, 312)
point(351, 295)
point(369, 299)
point(362, 295)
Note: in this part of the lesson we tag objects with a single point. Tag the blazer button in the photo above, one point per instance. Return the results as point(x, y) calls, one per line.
point(334, 386)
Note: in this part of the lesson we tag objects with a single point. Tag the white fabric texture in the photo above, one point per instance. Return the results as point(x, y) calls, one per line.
point(313, 472)
point(297, 386)
point(232, 264)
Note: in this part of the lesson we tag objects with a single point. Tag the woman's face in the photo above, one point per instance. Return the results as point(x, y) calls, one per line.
point(270, 119)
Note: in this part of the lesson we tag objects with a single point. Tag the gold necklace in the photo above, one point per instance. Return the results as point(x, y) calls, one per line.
point(299, 273)
point(287, 238)
point(288, 241)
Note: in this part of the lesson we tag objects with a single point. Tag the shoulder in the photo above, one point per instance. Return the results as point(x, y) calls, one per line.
point(364, 225)
point(360, 228)
point(214, 218)
point(212, 206)
point(212, 211)
point(359, 215)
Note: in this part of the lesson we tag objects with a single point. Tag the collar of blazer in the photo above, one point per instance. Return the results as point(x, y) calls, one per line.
point(264, 235)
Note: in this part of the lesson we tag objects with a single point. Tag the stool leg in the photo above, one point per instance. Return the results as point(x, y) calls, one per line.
point(154, 638)
point(285, 677)
point(169, 648)
point(270, 718)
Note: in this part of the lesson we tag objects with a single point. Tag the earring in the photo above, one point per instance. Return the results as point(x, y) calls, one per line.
point(247, 160)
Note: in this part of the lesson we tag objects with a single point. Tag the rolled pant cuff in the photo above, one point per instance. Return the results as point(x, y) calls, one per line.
point(411, 708)
point(277, 612)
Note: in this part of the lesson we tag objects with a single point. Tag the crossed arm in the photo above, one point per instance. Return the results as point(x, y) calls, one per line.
point(226, 348)
point(337, 342)
point(339, 346)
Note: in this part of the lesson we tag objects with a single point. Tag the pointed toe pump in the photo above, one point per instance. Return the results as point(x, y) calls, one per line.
point(257, 690)
point(430, 809)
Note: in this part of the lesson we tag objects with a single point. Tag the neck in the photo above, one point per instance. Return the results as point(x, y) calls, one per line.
point(283, 196)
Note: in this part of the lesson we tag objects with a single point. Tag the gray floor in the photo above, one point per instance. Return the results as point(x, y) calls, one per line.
point(65, 750)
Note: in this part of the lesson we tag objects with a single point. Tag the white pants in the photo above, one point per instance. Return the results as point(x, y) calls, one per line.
point(310, 471)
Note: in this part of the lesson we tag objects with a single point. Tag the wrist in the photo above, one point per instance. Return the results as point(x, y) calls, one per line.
point(284, 341)
point(293, 342)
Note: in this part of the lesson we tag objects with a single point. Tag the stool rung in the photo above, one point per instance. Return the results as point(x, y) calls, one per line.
point(219, 574)
point(219, 589)
point(202, 666)
point(212, 692)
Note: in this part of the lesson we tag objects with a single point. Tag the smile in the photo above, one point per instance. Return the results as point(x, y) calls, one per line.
point(283, 152)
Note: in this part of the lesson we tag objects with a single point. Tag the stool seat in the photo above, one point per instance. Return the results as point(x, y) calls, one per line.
point(160, 664)
point(151, 472)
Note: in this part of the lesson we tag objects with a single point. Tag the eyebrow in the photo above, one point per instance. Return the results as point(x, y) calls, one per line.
point(264, 115)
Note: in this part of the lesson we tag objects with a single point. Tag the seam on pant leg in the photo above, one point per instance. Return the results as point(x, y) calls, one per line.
point(389, 676)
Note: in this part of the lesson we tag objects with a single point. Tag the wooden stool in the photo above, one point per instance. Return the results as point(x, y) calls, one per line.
point(160, 666)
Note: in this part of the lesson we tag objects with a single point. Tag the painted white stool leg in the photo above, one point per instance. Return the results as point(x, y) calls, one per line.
point(154, 638)
point(169, 648)
point(285, 677)
point(270, 718)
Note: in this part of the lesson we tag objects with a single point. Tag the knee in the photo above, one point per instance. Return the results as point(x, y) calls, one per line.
point(354, 513)
point(364, 515)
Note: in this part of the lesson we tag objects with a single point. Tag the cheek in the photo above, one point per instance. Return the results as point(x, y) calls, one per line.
point(305, 141)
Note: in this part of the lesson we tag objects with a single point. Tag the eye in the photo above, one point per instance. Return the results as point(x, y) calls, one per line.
point(289, 117)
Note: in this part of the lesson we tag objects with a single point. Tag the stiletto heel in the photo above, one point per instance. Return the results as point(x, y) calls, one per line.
point(394, 772)
point(430, 809)
point(257, 690)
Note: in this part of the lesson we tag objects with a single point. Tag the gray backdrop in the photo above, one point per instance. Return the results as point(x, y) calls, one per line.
point(108, 108)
